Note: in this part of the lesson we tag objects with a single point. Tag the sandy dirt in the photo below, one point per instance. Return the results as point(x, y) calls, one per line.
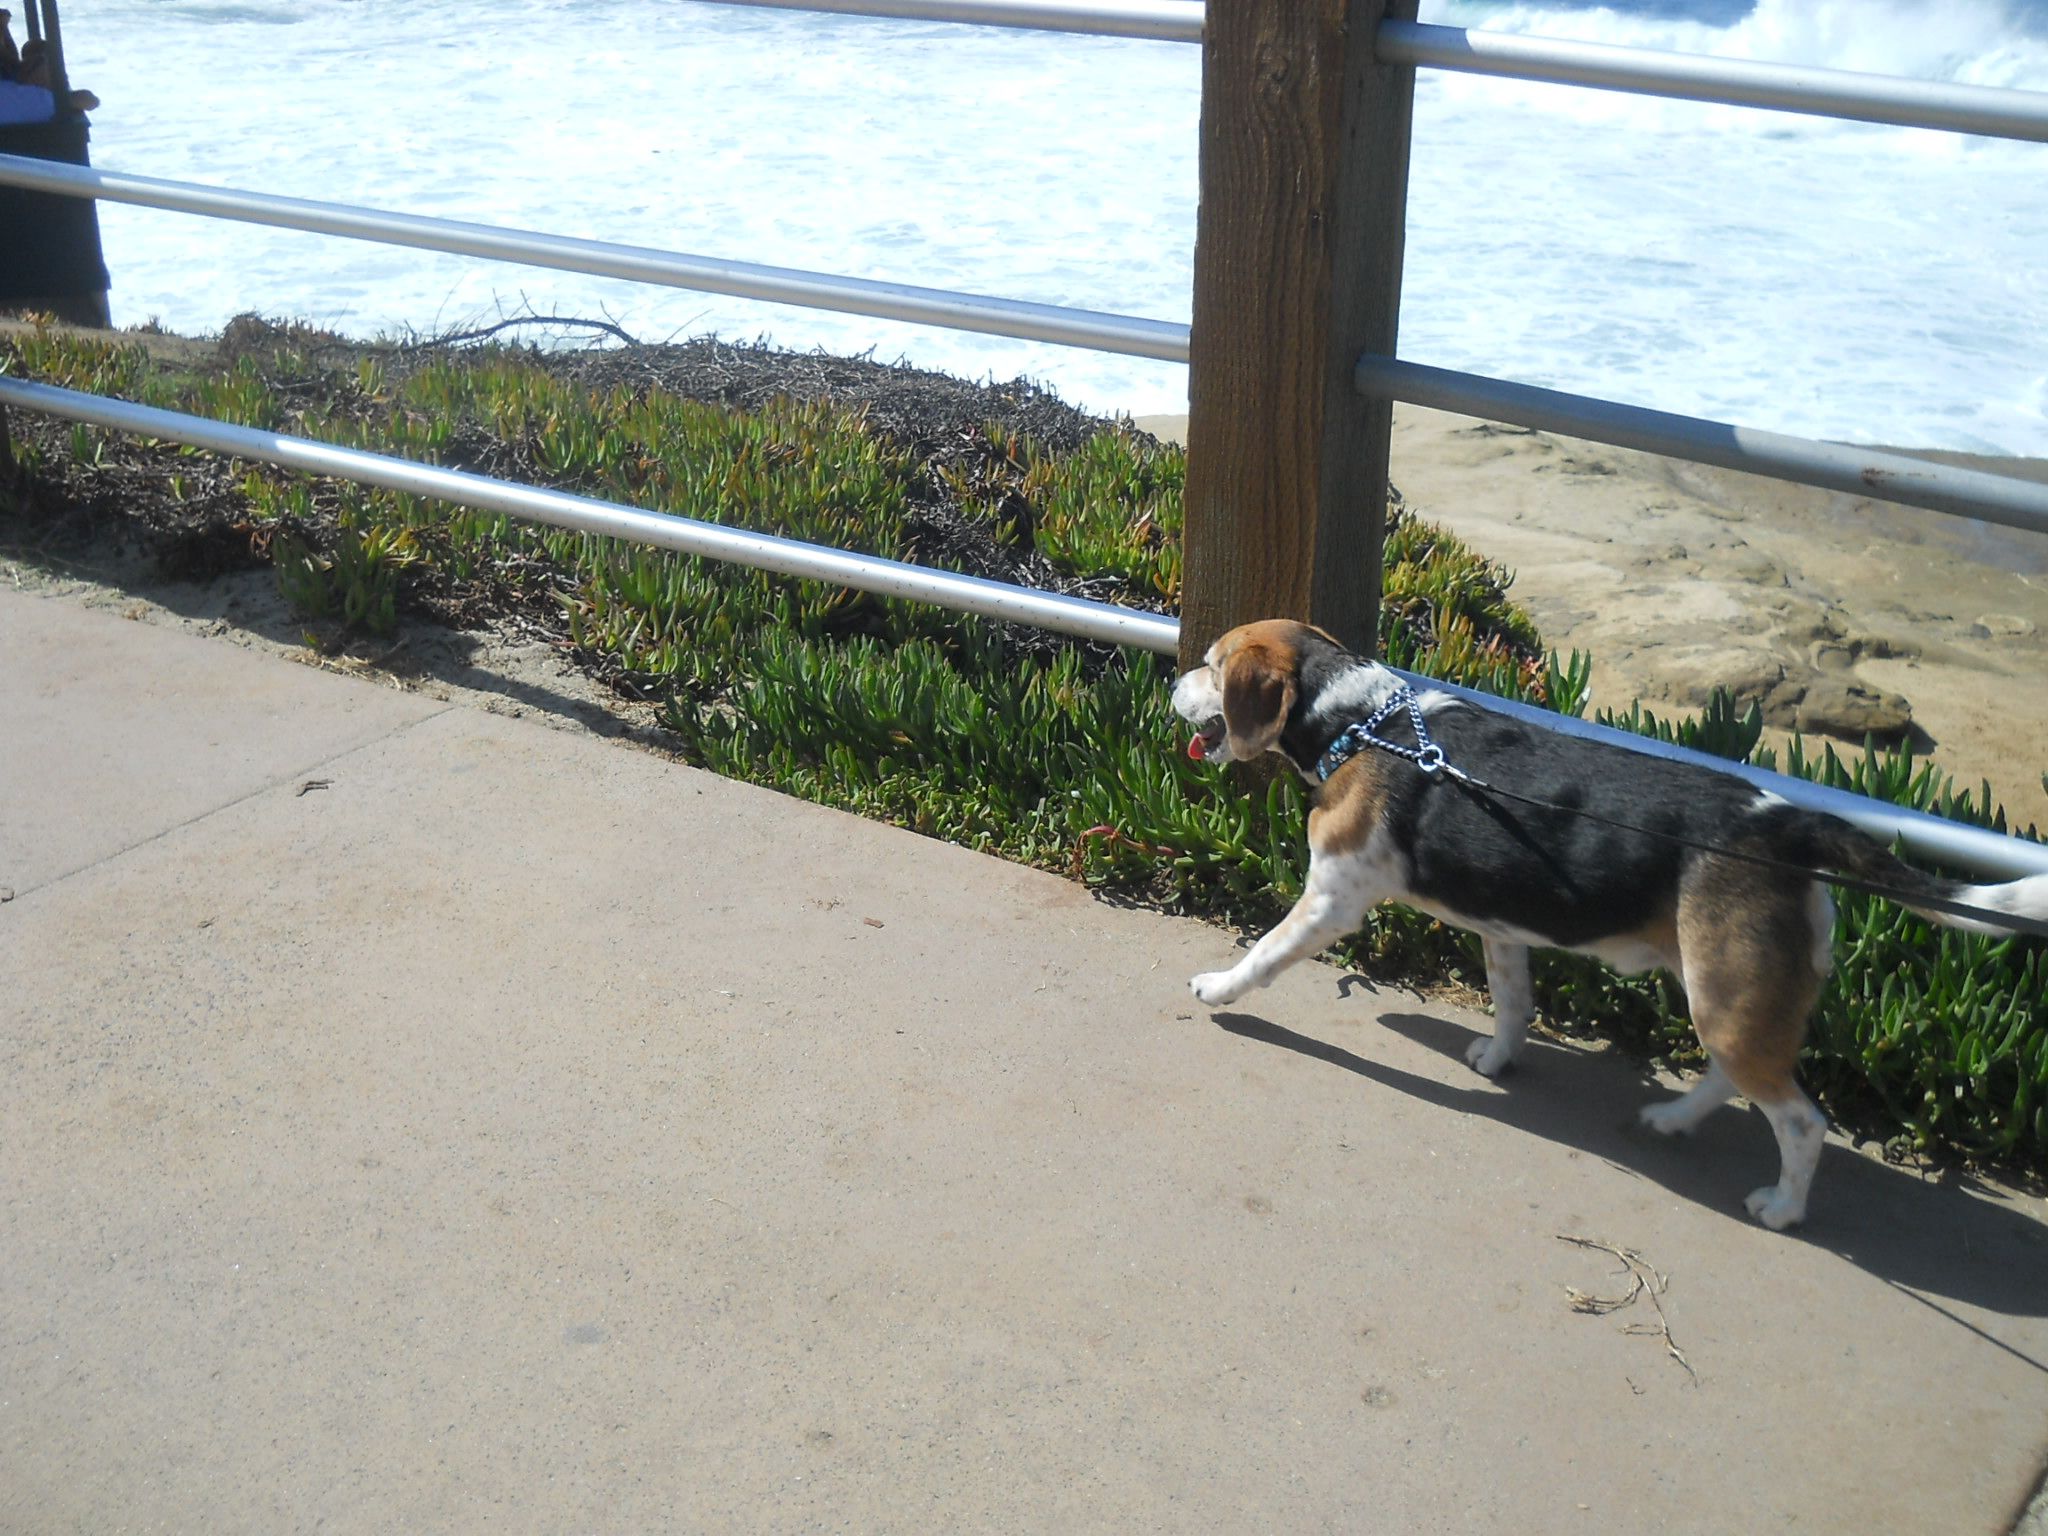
point(1833, 611)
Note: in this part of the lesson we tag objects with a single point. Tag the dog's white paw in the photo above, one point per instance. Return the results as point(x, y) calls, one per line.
point(1774, 1208)
point(1666, 1119)
point(1216, 988)
point(1488, 1057)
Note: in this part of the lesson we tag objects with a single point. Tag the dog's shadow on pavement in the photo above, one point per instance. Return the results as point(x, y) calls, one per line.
point(1924, 1235)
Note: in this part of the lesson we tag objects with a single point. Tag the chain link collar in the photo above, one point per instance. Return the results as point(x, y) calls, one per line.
point(1354, 739)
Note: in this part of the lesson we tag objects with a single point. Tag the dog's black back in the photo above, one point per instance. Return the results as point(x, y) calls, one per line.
point(1573, 866)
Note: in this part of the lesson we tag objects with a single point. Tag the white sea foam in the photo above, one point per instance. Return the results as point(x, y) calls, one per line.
point(1841, 280)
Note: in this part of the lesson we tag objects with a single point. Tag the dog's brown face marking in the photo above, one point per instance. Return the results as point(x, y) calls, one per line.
point(1253, 673)
point(1259, 686)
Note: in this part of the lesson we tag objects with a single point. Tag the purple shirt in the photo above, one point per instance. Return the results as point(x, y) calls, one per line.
point(25, 103)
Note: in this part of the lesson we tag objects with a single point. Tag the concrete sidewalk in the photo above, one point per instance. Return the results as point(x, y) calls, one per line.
point(415, 1118)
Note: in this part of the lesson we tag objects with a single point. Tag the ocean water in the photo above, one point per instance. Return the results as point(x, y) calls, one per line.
point(1840, 280)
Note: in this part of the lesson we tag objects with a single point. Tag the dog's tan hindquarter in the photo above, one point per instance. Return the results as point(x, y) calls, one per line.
point(1747, 952)
point(1753, 956)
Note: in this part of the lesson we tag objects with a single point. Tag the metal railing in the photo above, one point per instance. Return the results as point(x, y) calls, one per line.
point(1835, 93)
point(1832, 466)
point(1934, 837)
point(1841, 93)
point(633, 263)
point(1167, 21)
point(1980, 109)
point(1959, 492)
point(583, 514)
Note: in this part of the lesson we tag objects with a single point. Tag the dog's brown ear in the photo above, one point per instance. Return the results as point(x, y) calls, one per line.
point(1258, 695)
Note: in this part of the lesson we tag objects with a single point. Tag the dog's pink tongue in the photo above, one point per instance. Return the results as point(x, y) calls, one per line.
point(1198, 748)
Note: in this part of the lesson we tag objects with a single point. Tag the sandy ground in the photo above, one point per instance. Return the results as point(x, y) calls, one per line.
point(1828, 608)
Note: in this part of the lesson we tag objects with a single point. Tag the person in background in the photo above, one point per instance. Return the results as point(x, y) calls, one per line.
point(25, 95)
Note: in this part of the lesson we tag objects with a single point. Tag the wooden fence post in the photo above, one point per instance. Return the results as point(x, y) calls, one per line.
point(1304, 193)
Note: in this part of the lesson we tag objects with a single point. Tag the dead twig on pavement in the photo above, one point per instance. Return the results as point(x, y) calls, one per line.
point(1644, 1280)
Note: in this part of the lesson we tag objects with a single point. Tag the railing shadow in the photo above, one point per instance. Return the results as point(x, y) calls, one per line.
point(421, 653)
point(1927, 1236)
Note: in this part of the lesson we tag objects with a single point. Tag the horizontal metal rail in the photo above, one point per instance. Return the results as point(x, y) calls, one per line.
point(1170, 21)
point(1993, 111)
point(1834, 466)
point(641, 264)
point(1932, 837)
point(582, 514)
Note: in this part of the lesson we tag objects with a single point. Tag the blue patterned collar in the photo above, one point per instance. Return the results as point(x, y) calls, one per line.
point(1354, 739)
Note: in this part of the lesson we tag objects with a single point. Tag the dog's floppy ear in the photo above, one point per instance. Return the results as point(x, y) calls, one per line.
point(1258, 696)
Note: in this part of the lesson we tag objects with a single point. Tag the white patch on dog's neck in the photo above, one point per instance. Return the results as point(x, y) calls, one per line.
point(1356, 692)
point(1353, 696)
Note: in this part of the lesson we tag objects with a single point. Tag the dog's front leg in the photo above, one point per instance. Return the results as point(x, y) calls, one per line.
point(1333, 903)
point(1514, 1004)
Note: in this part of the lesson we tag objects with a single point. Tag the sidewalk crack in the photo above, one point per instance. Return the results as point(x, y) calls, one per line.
point(305, 777)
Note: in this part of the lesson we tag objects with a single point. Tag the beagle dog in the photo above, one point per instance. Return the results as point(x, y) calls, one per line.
point(1638, 860)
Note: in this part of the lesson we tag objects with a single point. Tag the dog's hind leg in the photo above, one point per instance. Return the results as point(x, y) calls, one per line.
point(1753, 968)
point(1676, 1116)
point(1514, 1004)
point(1333, 903)
point(1800, 1130)
point(1764, 1077)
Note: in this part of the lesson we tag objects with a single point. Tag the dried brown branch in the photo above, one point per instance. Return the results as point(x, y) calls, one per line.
point(1644, 1280)
point(428, 343)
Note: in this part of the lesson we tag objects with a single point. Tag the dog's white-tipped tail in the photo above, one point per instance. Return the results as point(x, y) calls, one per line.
point(2026, 897)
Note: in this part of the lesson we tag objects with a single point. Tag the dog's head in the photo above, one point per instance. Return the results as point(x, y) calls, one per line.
point(1241, 698)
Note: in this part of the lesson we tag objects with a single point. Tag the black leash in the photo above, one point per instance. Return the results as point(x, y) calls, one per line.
point(1427, 756)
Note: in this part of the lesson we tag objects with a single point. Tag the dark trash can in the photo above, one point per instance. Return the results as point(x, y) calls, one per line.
point(50, 246)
